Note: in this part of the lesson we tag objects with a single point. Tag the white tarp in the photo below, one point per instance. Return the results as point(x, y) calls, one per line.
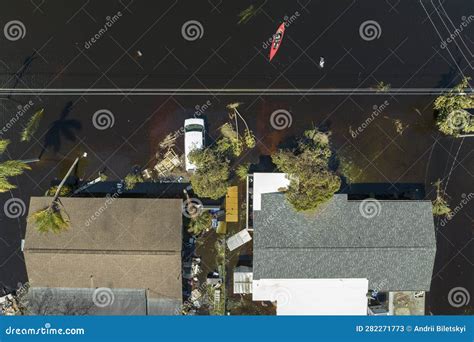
point(238, 239)
point(314, 296)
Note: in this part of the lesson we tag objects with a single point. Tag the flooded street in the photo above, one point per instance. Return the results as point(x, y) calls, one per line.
point(378, 154)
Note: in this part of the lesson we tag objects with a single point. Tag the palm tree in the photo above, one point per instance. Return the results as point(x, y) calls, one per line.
point(63, 127)
point(9, 168)
point(200, 224)
point(440, 205)
point(248, 138)
point(51, 219)
point(54, 218)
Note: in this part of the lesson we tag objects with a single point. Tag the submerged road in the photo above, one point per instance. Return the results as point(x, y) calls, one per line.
point(179, 44)
point(231, 92)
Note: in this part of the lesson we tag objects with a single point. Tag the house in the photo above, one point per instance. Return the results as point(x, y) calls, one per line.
point(329, 261)
point(119, 256)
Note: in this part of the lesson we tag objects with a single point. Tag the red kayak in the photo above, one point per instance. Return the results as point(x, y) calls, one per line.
point(276, 42)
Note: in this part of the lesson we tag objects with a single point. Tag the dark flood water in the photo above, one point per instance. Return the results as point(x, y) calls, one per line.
point(145, 48)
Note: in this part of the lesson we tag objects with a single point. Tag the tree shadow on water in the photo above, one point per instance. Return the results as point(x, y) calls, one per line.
point(23, 70)
point(449, 78)
point(63, 127)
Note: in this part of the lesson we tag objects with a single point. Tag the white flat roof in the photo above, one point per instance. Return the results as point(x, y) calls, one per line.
point(314, 296)
point(264, 183)
point(237, 240)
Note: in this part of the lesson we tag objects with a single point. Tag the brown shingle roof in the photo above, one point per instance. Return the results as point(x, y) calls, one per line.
point(130, 243)
point(113, 224)
point(160, 274)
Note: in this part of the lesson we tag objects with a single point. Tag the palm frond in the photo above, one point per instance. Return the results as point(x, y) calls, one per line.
point(3, 145)
point(11, 168)
point(32, 125)
point(5, 185)
point(50, 219)
point(247, 14)
point(441, 207)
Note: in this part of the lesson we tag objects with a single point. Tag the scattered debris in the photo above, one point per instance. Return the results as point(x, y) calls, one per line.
point(382, 87)
point(169, 162)
point(14, 303)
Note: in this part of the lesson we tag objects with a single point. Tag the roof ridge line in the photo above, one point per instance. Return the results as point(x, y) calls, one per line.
point(110, 251)
point(361, 247)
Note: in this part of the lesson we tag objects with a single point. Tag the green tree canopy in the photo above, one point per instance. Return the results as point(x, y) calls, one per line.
point(213, 164)
point(242, 171)
point(307, 166)
point(230, 140)
point(440, 205)
point(452, 117)
point(131, 180)
point(211, 177)
point(64, 191)
point(200, 223)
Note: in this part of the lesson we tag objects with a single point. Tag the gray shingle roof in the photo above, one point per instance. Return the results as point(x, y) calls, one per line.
point(394, 250)
point(45, 301)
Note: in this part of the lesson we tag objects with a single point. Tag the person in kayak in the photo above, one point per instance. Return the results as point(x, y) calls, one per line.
point(276, 39)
